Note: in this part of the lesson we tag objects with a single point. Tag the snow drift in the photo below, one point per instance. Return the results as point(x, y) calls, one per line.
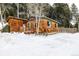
point(1, 26)
point(19, 44)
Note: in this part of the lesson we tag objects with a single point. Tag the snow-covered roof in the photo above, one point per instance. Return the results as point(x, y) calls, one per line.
point(50, 19)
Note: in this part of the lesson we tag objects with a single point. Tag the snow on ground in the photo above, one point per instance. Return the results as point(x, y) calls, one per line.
point(4, 24)
point(19, 44)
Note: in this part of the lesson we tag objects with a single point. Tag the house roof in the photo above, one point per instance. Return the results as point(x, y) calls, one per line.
point(11, 17)
point(49, 19)
point(42, 17)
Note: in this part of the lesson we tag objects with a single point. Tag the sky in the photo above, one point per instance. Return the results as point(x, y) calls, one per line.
point(39, 1)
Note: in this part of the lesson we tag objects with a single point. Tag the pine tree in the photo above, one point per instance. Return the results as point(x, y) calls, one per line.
point(62, 13)
point(74, 11)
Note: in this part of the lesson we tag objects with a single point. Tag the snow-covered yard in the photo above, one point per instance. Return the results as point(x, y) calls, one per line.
point(15, 44)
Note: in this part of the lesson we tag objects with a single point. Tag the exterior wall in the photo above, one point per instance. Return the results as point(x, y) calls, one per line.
point(43, 26)
point(30, 27)
point(15, 25)
point(20, 24)
point(53, 28)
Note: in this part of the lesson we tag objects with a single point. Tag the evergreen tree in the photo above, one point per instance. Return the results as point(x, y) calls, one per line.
point(62, 13)
point(74, 12)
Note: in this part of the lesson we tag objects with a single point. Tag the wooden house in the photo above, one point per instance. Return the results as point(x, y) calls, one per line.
point(42, 25)
point(15, 24)
point(48, 25)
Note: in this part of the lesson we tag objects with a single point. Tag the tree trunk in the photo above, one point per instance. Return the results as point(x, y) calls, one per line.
point(1, 16)
point(18, 10)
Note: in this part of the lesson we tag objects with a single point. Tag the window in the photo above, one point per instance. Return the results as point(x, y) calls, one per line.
point(29, 26)
point(55, 24)
point(49, 23)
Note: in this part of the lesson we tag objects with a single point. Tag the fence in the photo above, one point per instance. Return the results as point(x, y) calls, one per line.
point(68, 30)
